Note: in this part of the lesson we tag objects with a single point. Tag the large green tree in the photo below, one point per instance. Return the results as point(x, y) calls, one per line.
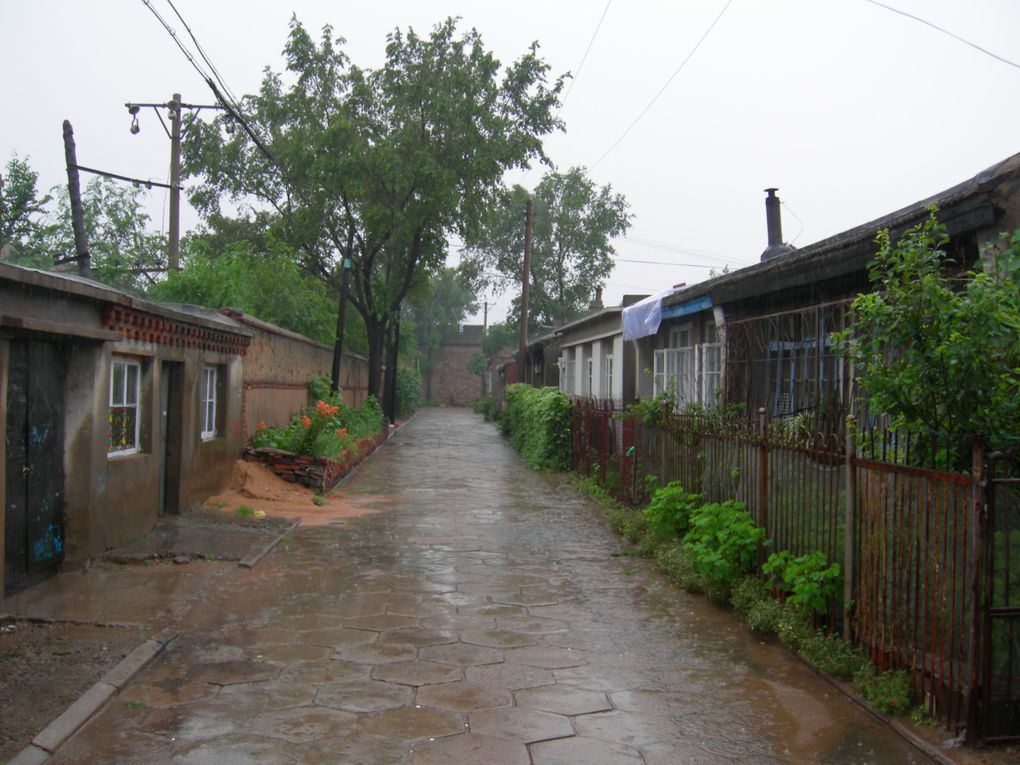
point(438, 307)
point(23, 225)
point(378, 165)
point(936, 349)
point(126, 253)
point(574, 221)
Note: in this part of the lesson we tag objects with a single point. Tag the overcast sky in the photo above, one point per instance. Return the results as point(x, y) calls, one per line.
point(851, 110)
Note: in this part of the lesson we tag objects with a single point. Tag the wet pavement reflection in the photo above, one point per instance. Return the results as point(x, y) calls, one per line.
point(476, 616)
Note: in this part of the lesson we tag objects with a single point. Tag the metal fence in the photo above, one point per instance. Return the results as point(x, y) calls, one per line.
point(931, 558)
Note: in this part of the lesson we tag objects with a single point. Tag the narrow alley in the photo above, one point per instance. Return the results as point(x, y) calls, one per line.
point(477, 614)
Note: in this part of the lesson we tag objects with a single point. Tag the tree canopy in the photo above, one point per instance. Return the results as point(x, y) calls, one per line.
point(938, 352)
point(377, 165)
point(23, 217)
point(574, 221)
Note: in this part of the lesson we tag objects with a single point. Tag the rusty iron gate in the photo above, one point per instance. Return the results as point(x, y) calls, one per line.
point(1000, 718)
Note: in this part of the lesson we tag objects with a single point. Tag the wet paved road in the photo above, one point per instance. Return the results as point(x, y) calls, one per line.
point(477, 617)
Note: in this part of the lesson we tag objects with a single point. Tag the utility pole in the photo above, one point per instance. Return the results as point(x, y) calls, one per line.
point(174, 107)
point(81, 240)
point(522, 346)
point(173, 260)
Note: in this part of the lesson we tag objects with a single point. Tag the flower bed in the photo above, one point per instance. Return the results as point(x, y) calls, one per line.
point(319, 473)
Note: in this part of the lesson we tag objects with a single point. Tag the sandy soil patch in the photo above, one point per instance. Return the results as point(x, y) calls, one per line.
point(255, 486)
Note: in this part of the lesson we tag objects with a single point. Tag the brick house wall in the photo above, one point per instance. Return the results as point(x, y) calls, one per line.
point(450, 381)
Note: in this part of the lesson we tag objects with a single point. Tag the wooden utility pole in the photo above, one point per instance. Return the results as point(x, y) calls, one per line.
point(522, 347)
point(174, 246)
point(81, 239)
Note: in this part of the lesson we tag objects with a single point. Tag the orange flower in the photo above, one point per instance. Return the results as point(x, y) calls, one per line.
point(325, 409)
point(341, 432)
point(261, 425)
point(305, 421)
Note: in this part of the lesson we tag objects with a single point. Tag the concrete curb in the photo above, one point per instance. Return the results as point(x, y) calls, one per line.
point(252, 560)
point(80, 712)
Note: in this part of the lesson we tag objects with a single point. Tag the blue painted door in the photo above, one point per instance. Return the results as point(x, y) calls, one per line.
point(34, 511)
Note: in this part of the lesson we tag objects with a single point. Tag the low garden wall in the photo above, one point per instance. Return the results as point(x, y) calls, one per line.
point(317, 473)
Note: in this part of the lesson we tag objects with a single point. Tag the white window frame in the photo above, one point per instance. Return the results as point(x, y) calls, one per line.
point(608, 391)
point(566, 375)
point(589, 377)
point(125, 395)
point(209, 403)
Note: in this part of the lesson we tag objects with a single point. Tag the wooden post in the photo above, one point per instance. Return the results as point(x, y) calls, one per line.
point(849, 527)
point(174, 235)
point(522, 346)
point(763, 479)
point(976, 547)
point(81, 239)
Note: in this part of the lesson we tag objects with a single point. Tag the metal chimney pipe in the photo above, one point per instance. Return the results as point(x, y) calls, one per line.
point(773, 218)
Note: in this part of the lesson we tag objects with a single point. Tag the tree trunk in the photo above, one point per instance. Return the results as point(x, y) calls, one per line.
point(390, 397)
point(376, 331)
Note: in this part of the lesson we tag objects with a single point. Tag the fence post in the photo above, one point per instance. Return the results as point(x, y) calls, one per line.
point(626, 458)
point(977, 547)
point(849, 527)
point(763, 470)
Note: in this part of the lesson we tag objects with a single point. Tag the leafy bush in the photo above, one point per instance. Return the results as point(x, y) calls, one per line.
point(669, 511)
point(328, 429)
point(888, 692)
point(722, 541)
point(809, 581)
point(408, 391)
point(652, 411)
point(538, 422)
point(677, 567)
point(747, 593)
point(832, 655)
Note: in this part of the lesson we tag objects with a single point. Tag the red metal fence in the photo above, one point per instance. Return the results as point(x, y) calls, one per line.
point(926, 590)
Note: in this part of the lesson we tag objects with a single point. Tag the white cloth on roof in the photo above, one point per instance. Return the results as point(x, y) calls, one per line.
point(643, 318)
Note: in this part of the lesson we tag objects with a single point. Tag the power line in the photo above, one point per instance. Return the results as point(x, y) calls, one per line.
point(201, 52)
point(585, 56)
point(663, 88)
point(663, 263)
point(945, 32)
point(678, 248)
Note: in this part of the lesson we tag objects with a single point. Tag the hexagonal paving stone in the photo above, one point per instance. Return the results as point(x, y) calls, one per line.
point(364, 696)
point(546, 657)
point(326, 671)
point(577, 750)
point(419, 636)
point(356, 749)
point(492, 609)
point(470, 749)
point(497, 638)
point(527, 599)
point(626, 728)
point(459, 623)
point(232, 672)
point(563, 700)
point(166, 694)
point(653, 702)
point(302, 724)
point(254, 698)
point(190, 724)
point(517, 724)
point(376, 653)
point(531, 625)
point(417, 673)
point(463, 696)
point(287, 653)
point(305, 622)
point(461, 654)
point(338, 636)
point(381, 622)
point(511, 676)
point(251, 748)
point(413, 723)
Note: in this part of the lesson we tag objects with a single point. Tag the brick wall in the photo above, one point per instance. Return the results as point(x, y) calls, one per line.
point(452, 383)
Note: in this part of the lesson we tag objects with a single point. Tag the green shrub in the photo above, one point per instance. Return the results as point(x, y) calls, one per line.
point(408, 391)
point(809, 581)
point(669, 511)
point(675, 565)
point(830, 654)
point(538, 420)
point(747, 593)
point(722, 541)
point(888, 692)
